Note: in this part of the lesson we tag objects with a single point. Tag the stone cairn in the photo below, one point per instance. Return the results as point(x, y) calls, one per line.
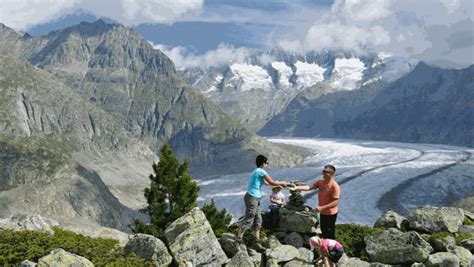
point(296, 201)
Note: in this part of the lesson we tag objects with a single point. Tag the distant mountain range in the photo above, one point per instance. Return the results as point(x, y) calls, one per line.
point(256, 90)
point(336, 94)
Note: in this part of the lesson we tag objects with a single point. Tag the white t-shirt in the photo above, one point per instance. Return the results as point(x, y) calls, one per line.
point(277, 196)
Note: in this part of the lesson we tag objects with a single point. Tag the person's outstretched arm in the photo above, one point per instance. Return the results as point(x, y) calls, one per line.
point(270, 181)
point(302, 187)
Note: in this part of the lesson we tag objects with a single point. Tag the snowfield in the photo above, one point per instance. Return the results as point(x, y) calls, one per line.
point(374, 177)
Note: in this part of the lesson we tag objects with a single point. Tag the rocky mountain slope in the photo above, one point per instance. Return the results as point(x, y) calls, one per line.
point(261, 86)
point(43, 127)
point(116, 69)
point(429, 105)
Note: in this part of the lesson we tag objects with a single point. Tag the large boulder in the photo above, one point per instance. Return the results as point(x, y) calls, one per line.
point(29, 222)
point(306, 255)
point(296, 221)
point(297, 263)
point(192, 242)
point(346, 261)
point(242, 258)
point(150, 248)
point(444, 244)
point(391, 219)
point(27, 263)
point(432, 219)
point(282, 253)
point(466, 229)
point(294, 239)
point(230, 245)
point(464, 255)
point(393, 246)
point(442, 259)
point(468, 244)
point(62, 258)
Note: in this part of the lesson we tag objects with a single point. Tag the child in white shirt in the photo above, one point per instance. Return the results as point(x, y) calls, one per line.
point(277, 199)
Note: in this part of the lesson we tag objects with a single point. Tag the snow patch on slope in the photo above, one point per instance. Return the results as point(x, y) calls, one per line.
point(347, 73)
point(285, 73)
point(308, 74)
point(250, 77)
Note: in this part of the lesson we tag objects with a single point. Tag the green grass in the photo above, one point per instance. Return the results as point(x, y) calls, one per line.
point(351, 236)
point(16, 246)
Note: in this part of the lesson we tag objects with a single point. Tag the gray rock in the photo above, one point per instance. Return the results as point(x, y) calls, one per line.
point(432, 219)
point(391, 219)
point(417, 264)
point(229, 245)
point(273, 242)
point(468, 244)
point(395, 247)
point(29, 222)
point(282, 253)
point(443, 244)
point(297, 263)
point(442, 259)
point(306, 255)
point(272, 263)
point(27, 263)
point(62, 258)
point(466, 229)
point(352, 262)
point(465, 256)
point(294, 239)
point(295, 221)
point(241, 258)
point(192, 241)
point(150, 248)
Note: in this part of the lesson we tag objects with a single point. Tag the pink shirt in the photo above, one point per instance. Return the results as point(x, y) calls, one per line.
point(330, 244)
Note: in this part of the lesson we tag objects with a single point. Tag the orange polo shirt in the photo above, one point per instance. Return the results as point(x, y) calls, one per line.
point(328, 192)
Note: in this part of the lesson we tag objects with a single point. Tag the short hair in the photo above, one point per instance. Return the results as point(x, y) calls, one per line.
point(331, 167)
point(260, 160)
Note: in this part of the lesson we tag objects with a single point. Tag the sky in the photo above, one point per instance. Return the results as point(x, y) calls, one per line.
point(439, 32)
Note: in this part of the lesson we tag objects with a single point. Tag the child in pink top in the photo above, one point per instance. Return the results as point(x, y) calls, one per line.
point(330, 251)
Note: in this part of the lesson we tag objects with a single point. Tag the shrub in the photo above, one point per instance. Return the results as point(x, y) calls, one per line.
point(351, 236)
point(219, 219)
point(17, 246)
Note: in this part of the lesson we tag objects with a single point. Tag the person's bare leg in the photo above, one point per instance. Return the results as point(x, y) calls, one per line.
point(326, 262)
point(256, 233)
point(241, 232)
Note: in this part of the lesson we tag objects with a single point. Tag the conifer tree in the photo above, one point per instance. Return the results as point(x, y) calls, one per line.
point(219, 219)
point(172, 193)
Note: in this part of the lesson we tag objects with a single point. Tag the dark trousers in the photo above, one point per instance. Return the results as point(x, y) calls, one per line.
point(328, 225)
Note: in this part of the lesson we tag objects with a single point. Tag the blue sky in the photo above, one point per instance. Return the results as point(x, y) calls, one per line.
point(437, 31)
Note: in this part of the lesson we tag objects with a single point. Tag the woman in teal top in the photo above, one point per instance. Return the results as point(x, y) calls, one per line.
point(253, 215)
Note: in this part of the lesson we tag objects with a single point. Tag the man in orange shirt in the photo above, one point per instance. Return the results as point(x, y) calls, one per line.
point(328, 198)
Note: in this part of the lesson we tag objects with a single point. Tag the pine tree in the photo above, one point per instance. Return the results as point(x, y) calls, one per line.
point(172, 193)
point(219, 219)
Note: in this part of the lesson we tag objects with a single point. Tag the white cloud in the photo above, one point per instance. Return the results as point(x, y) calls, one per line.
point(424, 29)
point(346, 37)
point(22, 14)
point(223, 54)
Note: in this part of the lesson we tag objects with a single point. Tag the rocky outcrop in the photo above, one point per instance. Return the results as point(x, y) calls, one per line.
point(60, 257)
point(295, 221)
point(468, 244)
point(395, 247)
point(282, 253)
point(442, 259)
point(29, 222)
point(192, 242)
point(149, 248)
point(465, 256)
point(432, 219)
point(443, 244)
point(391, 219)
